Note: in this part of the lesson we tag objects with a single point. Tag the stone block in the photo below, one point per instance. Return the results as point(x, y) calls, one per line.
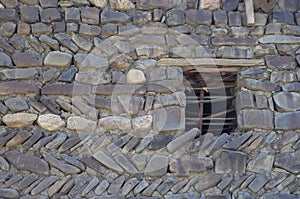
point(250, 119)
point(231, 162)
point(258, 85)
point(49, 3)
point(287, 121)
point(149, 5)
point(123, 5)
point(115, 123)
point(287, 101)
point(90, 15)
point(230, 5)
point(72, 15)
point(175, 17)
point(283, 17)
point(235, 19)
point(5, 60)
point(9, 15)
point(288, 161)
point(16, 104)
point(283, 76)
point(16, 87)
point(27, 59)
point(109, 30)
point(198, 17)
point(280, 62)
point(245, 100)
point(56, 58)
point(50, 15)
point(157, 165)
point(109, 16)
point(210, 4)
point(41, 28)
point(169, 119)
point(29, 14)
point(66, 89)
point(234, 41)
point(220, 18)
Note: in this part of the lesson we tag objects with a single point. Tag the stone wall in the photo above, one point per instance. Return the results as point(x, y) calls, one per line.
point(92, 101)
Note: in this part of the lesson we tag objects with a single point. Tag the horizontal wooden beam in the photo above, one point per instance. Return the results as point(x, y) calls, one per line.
point(211, 62)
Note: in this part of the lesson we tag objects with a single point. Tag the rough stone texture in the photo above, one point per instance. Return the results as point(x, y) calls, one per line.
point(287, 121)
point(288, 161)
point(287, 101)
point(57, 58)
point(27, 162)
point(50, 122)
point(257, 118)
point(115, 123)
point(27, 59)
point(231, 161)
point(157, 165)
point(19, 120)
point(135, 77)
point(80, 124)
point(168, 119)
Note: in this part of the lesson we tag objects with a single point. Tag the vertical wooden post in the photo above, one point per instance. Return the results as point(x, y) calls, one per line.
point(250, 12)
point(201, 104)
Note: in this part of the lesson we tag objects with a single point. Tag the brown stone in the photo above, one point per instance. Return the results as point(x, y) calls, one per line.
point(210, 4)
point(19, 120)
point(15, 87)
point(21, 137)
point(90, 15)
point(27, 162)
point(66, 89)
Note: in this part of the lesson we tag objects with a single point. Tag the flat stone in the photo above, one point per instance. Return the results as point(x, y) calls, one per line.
point(58, 185)
point(92, 184)
point(253, 84)
point(198, 17)
point(40, 28)
point(20, 137)
point(236, 143)
point(117, 90)
point(108, 161)
point(20, 73)
point(125, 163)
point(288, 161)
point(9, 15)
point(42, 142)
point(71, 89)
point(64, 40)
point(86, 62)
point(129, 185)
point(82, 42)
point(287, 121)
point(68, 76)
point(256, 119)
point(81, 124)
point(207, 181)
point(258, 182)
point(50, 122)
point(56, 58)
point(160, 141)
point(65, 168)
point(49, 3)
point(69, 143)
point(16, 104)
point(50, 104)
point(72, 15)
point(15, 87)
point(149, 5)
point(280, 62)
point(29, 14)
point(9, 193)
point(157, 165)
point(288, 138)
point(283, 17)
point(234, 41)
point(4, 164)
point(8, 29)
point(93, 78)
point(19, 120)
point(135, 76)
point(90, 15)
point(245, 99)
point(78, 186)
point(115, 123)
point(89, 30)
point(131, 104)
point(279, 39)
point(283, 76)
point(152, 187)
point(32, 140)
point(118, 143)
point(144, 143)
point(231, 161)
point(182, 140)
point(109, 16)
point(279, 196)
point(175, 17)
point(44, 184)
point(261, 163)
point(27, 162)
point(5, 60)
point(27, 181)
point(50, 15)
point(93, 164)
point(140, 186)
point(57, 141)
point(142, 124)
point(116, 185)
point(287, 101)
point(168, 119)
point(27, 59)
point(123, 5)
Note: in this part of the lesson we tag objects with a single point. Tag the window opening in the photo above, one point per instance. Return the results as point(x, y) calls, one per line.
point(210, 101)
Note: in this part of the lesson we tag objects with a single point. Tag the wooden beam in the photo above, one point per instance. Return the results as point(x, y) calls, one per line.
point(249, 12)
point(211, 62)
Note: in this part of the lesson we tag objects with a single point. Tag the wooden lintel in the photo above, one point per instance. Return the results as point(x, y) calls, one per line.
point(249, 12)
point(212, 62)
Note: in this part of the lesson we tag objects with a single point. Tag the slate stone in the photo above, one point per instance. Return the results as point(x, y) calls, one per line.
point(175, 17)
point(50, 104)
point(182, 140)
point(42, 142)
point(44, 184)
point(68, 76)
point(207, 181)
point(19, 138)
point(280, 62)
point(237, 142)
point(58, 185)
point(9, 15)
point(102, 187)
point(66, 42)
point(27, 162)
point(40, 28)
point(129, 185)
point(157, 165)
point(108, 161)
point(258, 182)
point(288, 161)
point(93, 183)
point(287, 101)
point(73, 161)
point(27, 59)
point(9, 193)
point(66, 168)
point(231, 161)
point(69, 143)
point(256, 119)
point(140, 186)
point(50, 15)
point(230, 5)
point(5, 60)
point(152, 187)
point(116, 185)
point(287, 121)
point(57, 141)
point(29, 14)
point(27, 181)
point(278, 196)
point(66, 89)
point(232, 41)
point(263, 162)
point(198, 17)
point(279, 39)
point(90, 15)
point(118, 143)
point(253, 84)
point(168, 119)
point(149, 5)
point(78, 186)
point(283, 17)
point(94, 164)
point(16, 104)
point(160, 141)
point(49, 3)
point(109, 16)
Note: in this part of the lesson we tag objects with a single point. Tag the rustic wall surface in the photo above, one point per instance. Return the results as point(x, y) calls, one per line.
point(92, 101)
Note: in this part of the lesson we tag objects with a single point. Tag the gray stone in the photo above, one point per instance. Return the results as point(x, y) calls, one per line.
point(68, 76)
point(253, 84)
point(280, 62)
point(144, 143)
point(239, 31)
point(5, 60)
point(109, 16)
point(234, 19)
point(90, 62)
point(44, 184)
point(168, 119)
point(81, 124)
point(9, 193)
point(287, 138)
point(16, 104)
point(261, 163)
point(27, 181)
point(279, 196)
point(90, 15)
point(220, 18)
point(230, 5)
point(102, 187)
point(82, 42)
point(49, 3)
point(160, 141)
point(27, 59)
point(89, 30)
point(157, 165)
point(292, 87)
point(93, 164)
point(27, 162)
point(287, 121)
point(116, 185)
point(288, 161)
point(283, 17)
point(50, 15)
point(93, 183)
point(41, 28)
point(198, 17)
point(56, 58)
point(231, 161)
point(258, 182)
point(7, 29)
point(109, 30)
point(108, 161)
point(245, 99)
point(287, 101)
point(256, 119)
point(19, 138)
point(149, 5)
point(50, 74)
point(283, 76)
point(125, 163)
point(10, 3)
point(72, 15)
point(236, 143)
point(279, 39)
point(29, 14)
point(207, 181)
point(93, 78)
point(129, 185)
point(4, 164)
point(140, 187)
point(182, 140)
point(175, 17)
point(49, 41)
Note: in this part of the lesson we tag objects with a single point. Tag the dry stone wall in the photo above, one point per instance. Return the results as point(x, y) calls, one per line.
point(92, 101)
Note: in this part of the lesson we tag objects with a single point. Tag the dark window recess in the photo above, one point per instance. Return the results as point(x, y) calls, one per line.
point(210, 99)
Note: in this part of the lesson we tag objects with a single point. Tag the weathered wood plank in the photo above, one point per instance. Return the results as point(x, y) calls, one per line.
point(249, 12)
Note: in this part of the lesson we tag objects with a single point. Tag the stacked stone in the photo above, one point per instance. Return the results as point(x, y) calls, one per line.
point(88, 112)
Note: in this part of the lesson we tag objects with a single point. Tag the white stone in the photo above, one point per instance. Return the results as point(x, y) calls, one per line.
point(210, 4)
point(135, 76)
point(122, 5)
point(115, 123)
point(19, 120)
point(99, 3)
point(57, 58)
point(81, 124)
point(50, 122)
point(142, 124)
